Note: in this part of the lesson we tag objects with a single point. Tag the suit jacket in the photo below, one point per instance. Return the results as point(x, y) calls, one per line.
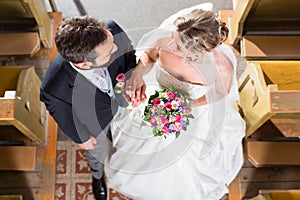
point(80, 109)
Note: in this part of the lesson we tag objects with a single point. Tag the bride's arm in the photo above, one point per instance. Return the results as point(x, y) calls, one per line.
point(135, 85)
point(149, 57)
point(146, 61)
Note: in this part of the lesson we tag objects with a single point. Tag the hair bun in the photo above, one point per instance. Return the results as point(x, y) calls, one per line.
point(223, 31)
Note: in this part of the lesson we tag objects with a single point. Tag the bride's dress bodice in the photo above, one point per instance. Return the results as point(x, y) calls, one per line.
point(166, 80)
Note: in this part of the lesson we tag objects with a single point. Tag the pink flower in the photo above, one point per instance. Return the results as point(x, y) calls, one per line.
point(178, 118)
point(168, 105)
point(156, 102)
point(152, 121)
point(170, 95)
point(178, 127)
point(164, 120)
point(165, 129)
point(187, 110)
point(121, 77)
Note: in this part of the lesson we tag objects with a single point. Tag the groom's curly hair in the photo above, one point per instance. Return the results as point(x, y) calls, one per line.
point(201, 30)
point(77, 37)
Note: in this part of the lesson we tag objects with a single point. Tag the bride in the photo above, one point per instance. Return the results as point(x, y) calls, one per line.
point(188, 55)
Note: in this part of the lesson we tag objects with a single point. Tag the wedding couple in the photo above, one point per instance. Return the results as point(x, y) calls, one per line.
point(186, 53)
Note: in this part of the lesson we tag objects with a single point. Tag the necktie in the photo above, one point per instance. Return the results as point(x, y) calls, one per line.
point(101, 81)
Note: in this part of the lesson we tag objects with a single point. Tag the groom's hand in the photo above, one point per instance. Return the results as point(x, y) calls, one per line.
point(135, 90)
point(88, 145)
point(135, 96)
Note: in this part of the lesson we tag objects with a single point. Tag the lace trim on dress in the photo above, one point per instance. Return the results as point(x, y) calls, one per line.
point(166, 80)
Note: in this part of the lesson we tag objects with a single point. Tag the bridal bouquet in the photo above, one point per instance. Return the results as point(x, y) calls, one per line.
point(168, 111)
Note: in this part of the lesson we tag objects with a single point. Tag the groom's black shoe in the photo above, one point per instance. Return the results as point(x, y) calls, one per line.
point(99, 188)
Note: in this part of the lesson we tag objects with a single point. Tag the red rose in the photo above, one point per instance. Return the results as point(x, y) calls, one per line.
point(121, 77)
point(168, 105)
point(156, 102)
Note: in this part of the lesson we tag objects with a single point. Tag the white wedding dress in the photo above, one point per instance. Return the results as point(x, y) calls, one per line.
point(198, 165)
point(202, 161)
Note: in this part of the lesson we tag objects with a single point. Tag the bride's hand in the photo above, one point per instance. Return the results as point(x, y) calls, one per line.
point(135, 88)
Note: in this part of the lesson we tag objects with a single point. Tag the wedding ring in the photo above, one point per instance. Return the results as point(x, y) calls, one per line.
point(129, 86)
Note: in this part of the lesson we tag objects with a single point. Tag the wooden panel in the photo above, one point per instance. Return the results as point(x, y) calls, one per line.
point(11, 197)
point(268, 153)
point(17, 157)
point(278, 195)
point(28, 193)
point(9, 78)
point(19, 43)
point(40, 183)
point(282, 194)
point(284, 73)
point(26, 15)
point(264, 17)
point(27, 112)
point(288, 127)
point(269, 174)
point(225, 16)
point(238, 19)
point(47, 159)
point(46, 153)
point(262, 197)
point(254, 97)
point(270, 47)
point(234, 3)
point(253, 179)
point(20, 180)
point(7, 108)
point(269, 89)
point(42, 18)
point(235, 192)
point(285, 101)
point(251, 189)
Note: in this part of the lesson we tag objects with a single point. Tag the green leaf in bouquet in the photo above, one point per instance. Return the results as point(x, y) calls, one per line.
point(156, 132)
point(177, 134)
point(187, 121)
point(155, 95)
point(147, 110)
point(147, 118)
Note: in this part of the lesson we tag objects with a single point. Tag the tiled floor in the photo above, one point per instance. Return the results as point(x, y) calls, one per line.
point(73, 177)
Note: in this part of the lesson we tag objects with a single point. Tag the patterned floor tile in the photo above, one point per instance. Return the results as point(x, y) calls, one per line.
point(73, 176)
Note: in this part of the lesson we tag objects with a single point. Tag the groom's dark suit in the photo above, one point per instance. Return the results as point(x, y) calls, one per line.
point(81, 109)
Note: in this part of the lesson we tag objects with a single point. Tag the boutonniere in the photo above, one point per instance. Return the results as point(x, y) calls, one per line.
point(120, 84)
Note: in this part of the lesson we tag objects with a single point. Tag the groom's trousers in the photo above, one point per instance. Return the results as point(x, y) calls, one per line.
point(96, 157)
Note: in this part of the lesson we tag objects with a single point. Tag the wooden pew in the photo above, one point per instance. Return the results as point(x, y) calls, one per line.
point(19, 101)
point(267, 34)
point(25, 27)
point(264, 30)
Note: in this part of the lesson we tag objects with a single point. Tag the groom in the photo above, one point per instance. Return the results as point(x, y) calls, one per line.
point(78, 86)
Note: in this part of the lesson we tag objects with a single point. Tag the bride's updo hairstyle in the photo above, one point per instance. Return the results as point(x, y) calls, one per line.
point(201, 30)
